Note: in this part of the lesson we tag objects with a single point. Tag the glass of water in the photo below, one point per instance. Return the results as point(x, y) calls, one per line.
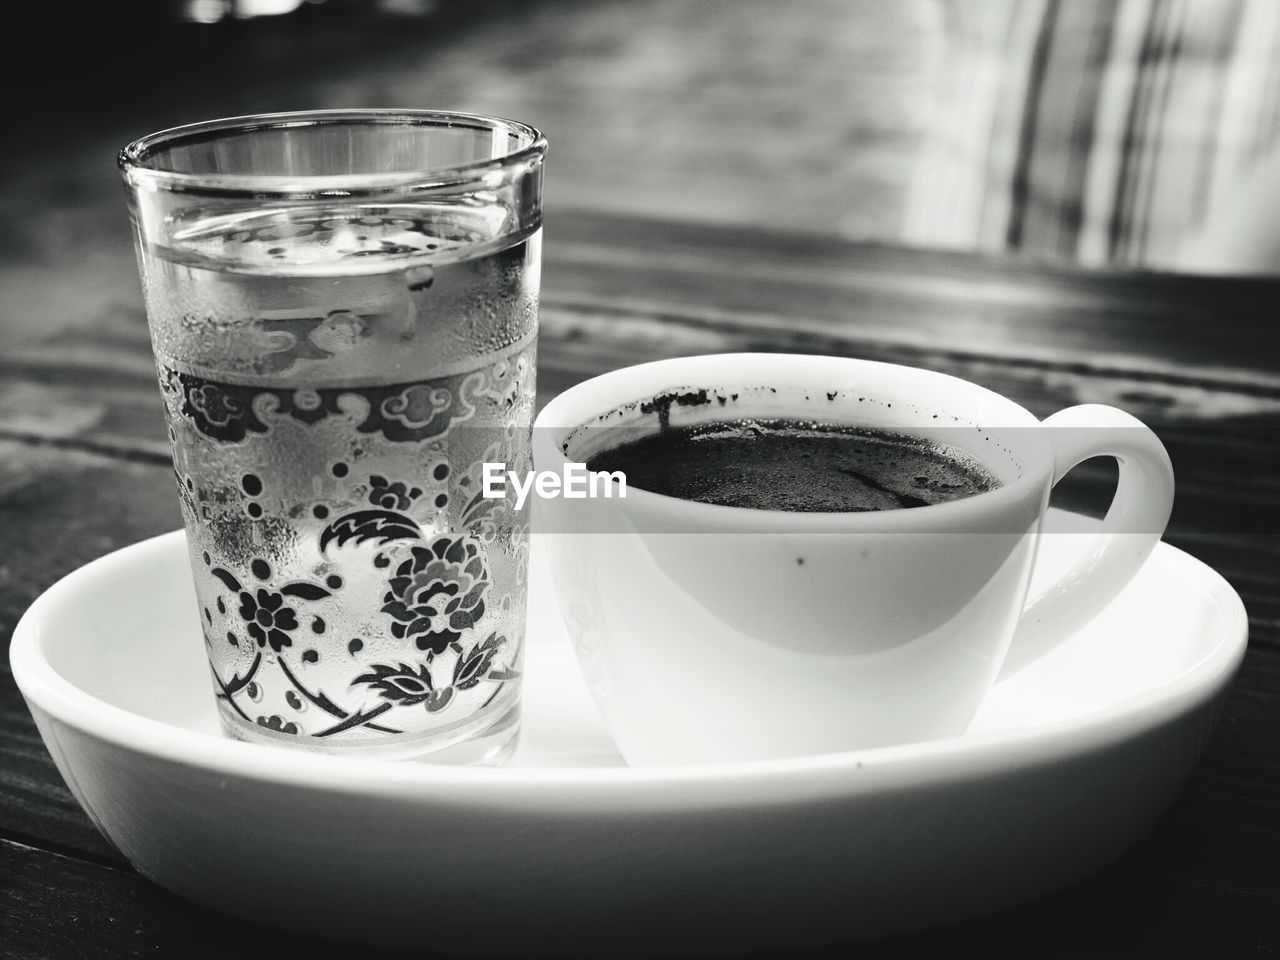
point(343, 309)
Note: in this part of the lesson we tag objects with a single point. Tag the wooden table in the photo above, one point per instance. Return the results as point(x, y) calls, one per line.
point(84, 468)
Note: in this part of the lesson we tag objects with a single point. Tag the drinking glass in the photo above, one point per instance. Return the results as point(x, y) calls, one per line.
point(343, 310)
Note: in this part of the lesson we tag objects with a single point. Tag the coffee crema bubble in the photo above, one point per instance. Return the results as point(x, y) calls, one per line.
point(800, 466)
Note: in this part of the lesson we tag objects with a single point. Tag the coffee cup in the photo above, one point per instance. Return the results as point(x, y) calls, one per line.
point(711, 633)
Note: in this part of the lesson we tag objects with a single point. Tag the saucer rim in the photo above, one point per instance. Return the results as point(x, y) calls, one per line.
point(893, 766)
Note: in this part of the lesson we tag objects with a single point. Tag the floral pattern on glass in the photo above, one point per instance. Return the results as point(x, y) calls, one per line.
point(437, 593)
point(356, 597)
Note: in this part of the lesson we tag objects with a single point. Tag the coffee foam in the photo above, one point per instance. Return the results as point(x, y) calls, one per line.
point(797, 465)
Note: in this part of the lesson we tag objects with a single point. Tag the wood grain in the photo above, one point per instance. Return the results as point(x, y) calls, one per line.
point(1150, 904)
point(704, 169)
point(1224, 830)
point(1192, 356)
point(35, 805)
point(84, 469)
point(53, 905)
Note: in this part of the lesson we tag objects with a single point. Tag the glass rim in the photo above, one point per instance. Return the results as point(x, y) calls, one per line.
point(133, 157)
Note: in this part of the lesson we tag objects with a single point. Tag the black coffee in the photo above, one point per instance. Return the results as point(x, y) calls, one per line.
point(797, 466)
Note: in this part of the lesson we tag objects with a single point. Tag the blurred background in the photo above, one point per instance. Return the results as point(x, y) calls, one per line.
point(710, 160)
point(761, 113)
point(1113, 133)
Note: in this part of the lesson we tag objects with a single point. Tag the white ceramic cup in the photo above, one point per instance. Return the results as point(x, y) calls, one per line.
point(710, 633)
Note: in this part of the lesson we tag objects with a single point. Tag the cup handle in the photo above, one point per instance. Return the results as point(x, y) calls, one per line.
point(1133, 526)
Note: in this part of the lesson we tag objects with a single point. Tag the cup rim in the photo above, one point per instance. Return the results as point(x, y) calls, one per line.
point(552, 426)
point(132, 159)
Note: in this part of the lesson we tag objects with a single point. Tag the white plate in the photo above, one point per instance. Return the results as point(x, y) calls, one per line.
point(1069, 763)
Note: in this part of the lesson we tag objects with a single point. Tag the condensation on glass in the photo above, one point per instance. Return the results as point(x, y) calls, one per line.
point(343, 309)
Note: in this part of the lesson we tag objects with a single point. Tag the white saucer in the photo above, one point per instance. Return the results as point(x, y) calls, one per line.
point(1069, 762)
